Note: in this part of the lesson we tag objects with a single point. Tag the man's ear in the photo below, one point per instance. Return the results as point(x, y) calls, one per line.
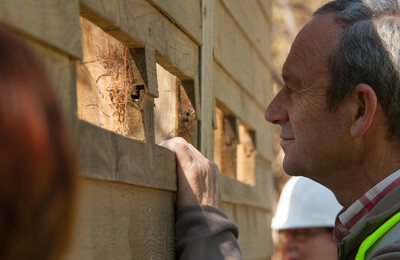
point(365, 103)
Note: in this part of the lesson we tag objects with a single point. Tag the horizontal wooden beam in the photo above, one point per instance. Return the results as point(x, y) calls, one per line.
point(54, 22)
point(106, 155)
point(237, 192)
point(185, 14)
point(239, 57)
point(138, 23)
point(252, 23)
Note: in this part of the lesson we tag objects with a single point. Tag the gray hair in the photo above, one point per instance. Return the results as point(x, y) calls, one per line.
point(368, 51)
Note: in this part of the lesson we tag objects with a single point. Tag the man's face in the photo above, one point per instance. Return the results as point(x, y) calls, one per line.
point(312, 137)
point(307, 244)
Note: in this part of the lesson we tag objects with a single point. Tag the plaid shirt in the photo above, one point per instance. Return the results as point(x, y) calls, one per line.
point(348, 219)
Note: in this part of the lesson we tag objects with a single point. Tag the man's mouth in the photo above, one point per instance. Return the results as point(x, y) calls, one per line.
point(286, 139)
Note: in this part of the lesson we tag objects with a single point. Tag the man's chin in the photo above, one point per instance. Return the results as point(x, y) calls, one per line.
point(291, 168)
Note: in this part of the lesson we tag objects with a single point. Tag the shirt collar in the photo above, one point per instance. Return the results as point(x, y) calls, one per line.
point(348, 219)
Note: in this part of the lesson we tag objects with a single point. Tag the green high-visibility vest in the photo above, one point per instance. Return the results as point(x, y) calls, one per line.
point(371, 240)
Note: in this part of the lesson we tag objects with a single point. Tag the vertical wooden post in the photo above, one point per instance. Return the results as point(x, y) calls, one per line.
point(206, 79)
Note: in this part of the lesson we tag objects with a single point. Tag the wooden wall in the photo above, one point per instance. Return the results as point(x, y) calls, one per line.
point(192, 58)
point(242, 83)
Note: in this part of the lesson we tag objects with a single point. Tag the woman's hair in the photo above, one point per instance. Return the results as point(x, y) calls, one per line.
point(37, 163)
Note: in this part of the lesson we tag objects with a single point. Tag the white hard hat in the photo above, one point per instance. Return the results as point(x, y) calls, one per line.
point(305, 203)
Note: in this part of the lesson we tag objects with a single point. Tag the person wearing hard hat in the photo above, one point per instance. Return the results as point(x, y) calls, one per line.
point(305, 218)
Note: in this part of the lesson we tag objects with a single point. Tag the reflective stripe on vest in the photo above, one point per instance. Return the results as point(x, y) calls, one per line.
point(371, 240)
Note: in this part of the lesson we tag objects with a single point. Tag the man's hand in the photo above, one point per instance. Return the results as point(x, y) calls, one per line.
point(197, 176)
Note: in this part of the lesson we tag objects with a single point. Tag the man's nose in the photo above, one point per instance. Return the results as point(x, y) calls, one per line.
point(276, 112)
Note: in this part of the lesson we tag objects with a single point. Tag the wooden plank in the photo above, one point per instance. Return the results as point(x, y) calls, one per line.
point(119, 221)
point(55, 22)
point(236, 192)
point(207, 90)
point(145, 59)
point(174, 113)
point(138, 23)
point(260, 195)
point(166, 106)
point(61, 71)
point(245, 108)
point(255, 232)
point(229, 210)
point(266, 6)
point(185, 14)
point(109, 156)
point(149, 125)
point(239, 58)
point(252, 22)
point(264, 181)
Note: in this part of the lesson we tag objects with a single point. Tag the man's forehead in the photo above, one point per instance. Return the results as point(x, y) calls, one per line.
point(318, 36)
point(311, 47)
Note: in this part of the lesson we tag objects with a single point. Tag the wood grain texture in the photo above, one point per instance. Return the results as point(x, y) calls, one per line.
point(174, 114)
point(186, 14)
point(55, 22)
point(106, 155)
point(166, 106)
point(236, 192)
point(229, 210)
point(138, 23)
point(61, 71)
point(255, 229)
point(252, 22)
point(235, 53)
point(264, 180)
point(259, 195)
point(121, 222)
point(145, 59)
point(245, 108)
point(266, 6)
point(208, 115)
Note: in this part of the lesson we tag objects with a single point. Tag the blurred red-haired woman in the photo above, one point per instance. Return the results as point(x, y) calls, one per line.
point(37, 163)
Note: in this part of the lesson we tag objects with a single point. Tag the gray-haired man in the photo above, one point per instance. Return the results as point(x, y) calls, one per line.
point(339, 111)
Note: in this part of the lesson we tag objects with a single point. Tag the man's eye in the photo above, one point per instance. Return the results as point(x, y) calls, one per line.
point(292, 92)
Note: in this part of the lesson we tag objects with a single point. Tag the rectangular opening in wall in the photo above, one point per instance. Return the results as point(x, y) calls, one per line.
point(246, 155)
point(174, 113)
point(110, 89)
point(225, 143)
